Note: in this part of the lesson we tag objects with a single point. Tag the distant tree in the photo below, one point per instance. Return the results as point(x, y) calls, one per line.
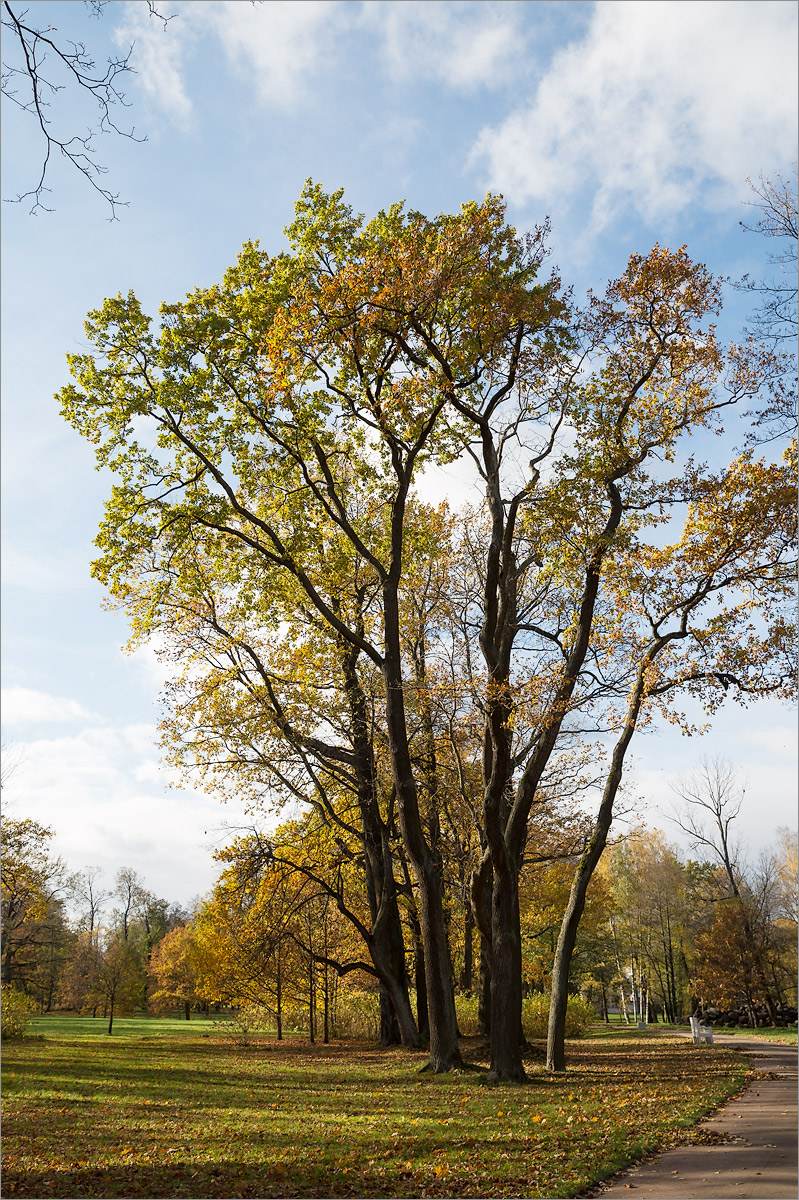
point(87, 890)
point(775, 321)
point(712, 799)
point(786, 866)
point(131, 893)
point(119, 978)
point(174, 968)
point(78, 986)
point(728, 966)
point(32, 885)
point(104, 973)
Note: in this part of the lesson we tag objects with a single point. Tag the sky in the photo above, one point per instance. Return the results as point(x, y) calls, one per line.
point(626, 123)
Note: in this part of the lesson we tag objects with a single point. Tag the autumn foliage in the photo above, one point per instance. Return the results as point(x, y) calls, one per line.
point(425, 684)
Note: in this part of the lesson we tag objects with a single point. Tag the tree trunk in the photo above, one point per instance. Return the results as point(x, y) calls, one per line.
point(468, 959)
point(386, 947)
point(506, 979)
point(484, 995)
point(420, 979)
point(389, 1025)
point(326, 1018)
point(444, 1052)
point(311, 1001)
point(279, 994)
point(187, 1007)
point(481, 888)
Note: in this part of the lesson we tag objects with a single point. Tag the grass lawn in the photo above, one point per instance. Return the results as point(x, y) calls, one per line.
point(172, 1109)
point(788, 1036)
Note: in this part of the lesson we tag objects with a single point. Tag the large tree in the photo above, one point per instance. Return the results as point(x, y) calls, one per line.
point(287, 412)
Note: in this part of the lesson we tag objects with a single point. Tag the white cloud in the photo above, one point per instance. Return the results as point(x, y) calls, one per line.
point(25, 706)
point(280, 47)
point(775, 739)
point(159, 55)
point(462, 45)
point(109, 802)
point(657, 102)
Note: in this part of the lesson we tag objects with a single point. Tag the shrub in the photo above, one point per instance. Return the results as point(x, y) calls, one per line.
point(250, 1019)
point(535, 1016)
point(16, 1012)
point(466, 1009)
point(357, 1015)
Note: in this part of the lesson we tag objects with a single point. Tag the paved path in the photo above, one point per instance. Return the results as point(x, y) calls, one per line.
point(759, 1164)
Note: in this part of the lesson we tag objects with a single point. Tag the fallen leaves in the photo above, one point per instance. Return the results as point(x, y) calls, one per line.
point(187, 1117)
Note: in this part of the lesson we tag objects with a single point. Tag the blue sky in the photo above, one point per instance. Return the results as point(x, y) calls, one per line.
point(627, 123)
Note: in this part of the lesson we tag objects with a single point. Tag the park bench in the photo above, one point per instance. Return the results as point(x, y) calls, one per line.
point(701, 1033)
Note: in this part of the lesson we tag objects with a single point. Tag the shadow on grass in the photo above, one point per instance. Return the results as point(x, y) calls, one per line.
point(225, 1179)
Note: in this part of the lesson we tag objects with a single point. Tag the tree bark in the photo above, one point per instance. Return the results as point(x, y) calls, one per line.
point(444, 1052)
point(556, 1031)
point(506, 979)
point(387, 946)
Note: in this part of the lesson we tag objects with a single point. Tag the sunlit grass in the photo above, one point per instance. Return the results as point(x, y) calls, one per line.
point(189, 1113)
point(788, 1036)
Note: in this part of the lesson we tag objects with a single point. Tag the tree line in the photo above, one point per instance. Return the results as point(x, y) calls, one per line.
point(663, 937)
point(68, 940)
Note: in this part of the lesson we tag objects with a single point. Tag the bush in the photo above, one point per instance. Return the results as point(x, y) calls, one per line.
point(535, 1016)
point(466, 1009)
point(357, 1015)
point(250, 1019)
point(16, 1012)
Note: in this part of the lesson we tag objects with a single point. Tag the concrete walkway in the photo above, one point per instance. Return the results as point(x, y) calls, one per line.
point(756, 1155)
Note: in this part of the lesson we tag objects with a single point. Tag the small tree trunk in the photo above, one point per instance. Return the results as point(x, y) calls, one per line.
point(420, 978)
point(326, 1035)
point(468, 952)
point(187, 1007)
point(311, 1000)
point(279, 995)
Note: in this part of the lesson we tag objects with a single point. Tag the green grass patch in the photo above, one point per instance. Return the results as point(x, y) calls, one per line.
point(786, 1036)
point(190, 1113)
point(58, 1025)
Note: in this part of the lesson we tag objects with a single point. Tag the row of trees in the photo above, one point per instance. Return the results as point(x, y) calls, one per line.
point(67, 941)
point(440, 688)
point(656, 935)
point(660, 936)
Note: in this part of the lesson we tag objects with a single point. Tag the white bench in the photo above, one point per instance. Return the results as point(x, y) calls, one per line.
point(701, 1033)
